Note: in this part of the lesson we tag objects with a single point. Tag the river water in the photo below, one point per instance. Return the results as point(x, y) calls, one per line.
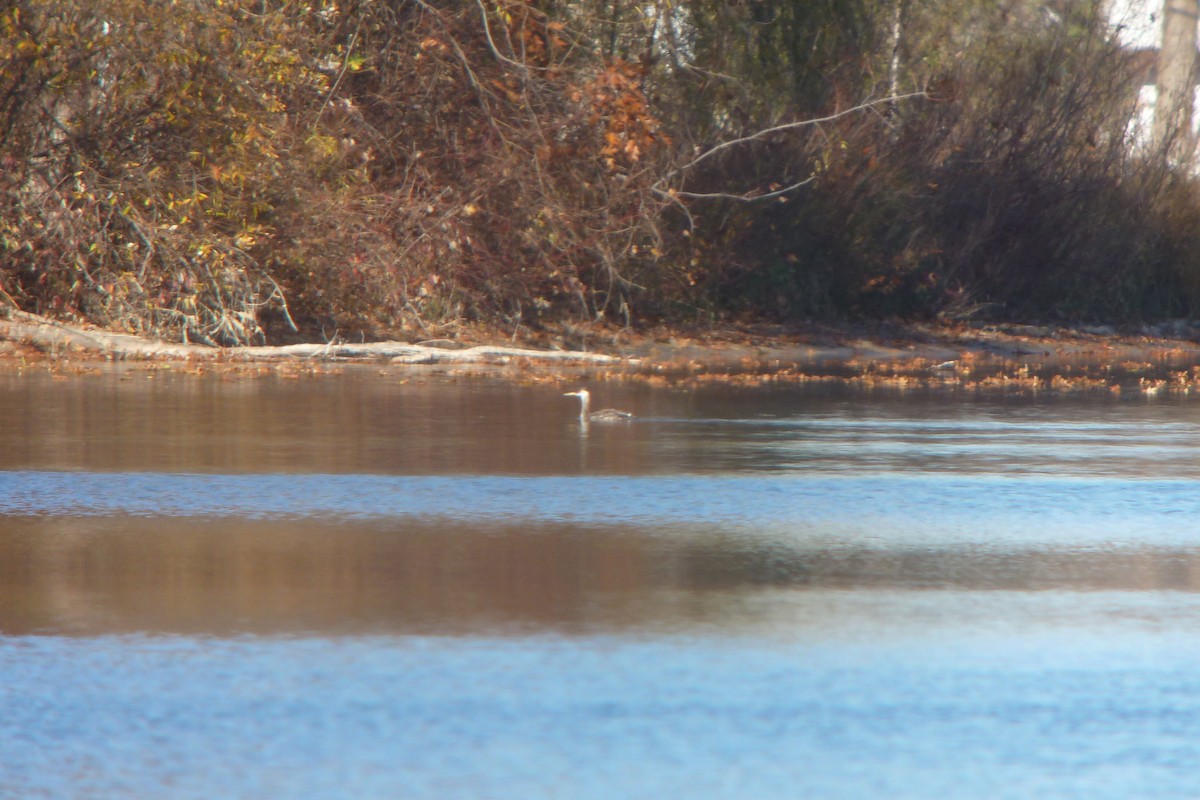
point(397, 585)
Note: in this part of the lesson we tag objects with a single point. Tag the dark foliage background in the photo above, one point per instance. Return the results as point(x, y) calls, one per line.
point(230, 171)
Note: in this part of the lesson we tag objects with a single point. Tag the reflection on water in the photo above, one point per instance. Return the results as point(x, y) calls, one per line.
point(356, 586)
point(86, 576)
point(357, 422)
point(361, 422)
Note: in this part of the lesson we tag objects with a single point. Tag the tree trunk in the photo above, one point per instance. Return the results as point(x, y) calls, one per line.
point(896, 43)
point(1176, 79)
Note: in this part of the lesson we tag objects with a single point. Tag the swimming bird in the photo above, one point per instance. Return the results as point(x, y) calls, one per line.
point(603, 415)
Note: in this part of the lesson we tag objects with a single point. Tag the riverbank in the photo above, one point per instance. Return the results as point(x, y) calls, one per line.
point(1152, 360)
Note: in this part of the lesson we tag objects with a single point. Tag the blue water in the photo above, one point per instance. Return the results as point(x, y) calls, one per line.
point(908, 509)
point(703, 716)
point(772, 594)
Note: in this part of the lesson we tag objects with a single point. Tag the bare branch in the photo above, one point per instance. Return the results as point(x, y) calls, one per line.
point(804, 123)
point(746, 198)
point(341, 75)
point(487, 30)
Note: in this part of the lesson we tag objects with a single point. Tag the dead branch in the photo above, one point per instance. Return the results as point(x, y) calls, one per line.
point(659, 186)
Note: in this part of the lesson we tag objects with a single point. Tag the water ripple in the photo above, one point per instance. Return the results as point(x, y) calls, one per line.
point(970, 508)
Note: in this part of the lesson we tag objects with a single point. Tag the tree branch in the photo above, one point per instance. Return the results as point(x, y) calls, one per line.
point(804, 123)
point(748, 197)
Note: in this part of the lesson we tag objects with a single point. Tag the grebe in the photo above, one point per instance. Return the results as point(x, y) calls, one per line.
point(603, 415)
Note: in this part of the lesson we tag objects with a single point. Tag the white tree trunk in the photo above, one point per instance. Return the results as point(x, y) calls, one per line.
point(1176, 78)
point(897, 42)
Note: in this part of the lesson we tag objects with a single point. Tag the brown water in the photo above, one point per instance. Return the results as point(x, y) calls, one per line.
point(382, 584)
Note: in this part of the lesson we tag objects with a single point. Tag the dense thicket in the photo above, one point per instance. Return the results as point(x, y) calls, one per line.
point(221, 170)
point(1018, 186)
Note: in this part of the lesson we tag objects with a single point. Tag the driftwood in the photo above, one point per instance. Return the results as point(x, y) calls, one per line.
point(50, 335)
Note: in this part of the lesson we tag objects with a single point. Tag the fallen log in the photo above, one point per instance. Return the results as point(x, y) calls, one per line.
point(47, 334)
